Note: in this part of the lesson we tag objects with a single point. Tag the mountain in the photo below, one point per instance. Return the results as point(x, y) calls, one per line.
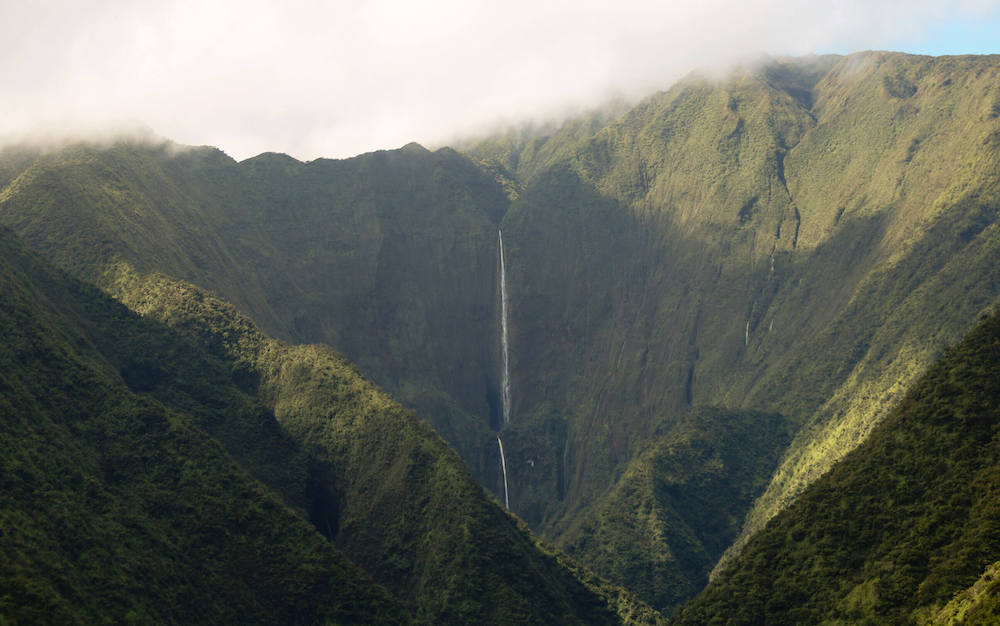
point(772, 257)
point(905, 529)
point(802, 238)
point(347, 253)
point(721, 235)
point(118, 507)
point(180, 466)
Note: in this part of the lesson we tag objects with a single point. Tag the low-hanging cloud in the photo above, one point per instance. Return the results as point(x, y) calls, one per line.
point(315, 78)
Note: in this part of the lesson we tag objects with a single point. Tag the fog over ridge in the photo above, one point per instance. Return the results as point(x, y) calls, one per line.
point(335, 79)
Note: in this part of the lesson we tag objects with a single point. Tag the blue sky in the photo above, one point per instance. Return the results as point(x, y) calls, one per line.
point(959, 35)
point(336, 78)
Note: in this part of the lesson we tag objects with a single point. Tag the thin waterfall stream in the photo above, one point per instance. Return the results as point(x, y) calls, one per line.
point(503, 466)
point(505, 386)
point(505, 389)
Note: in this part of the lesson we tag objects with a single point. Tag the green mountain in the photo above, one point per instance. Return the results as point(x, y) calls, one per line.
point(382, 257)
point(905, 529)
point(709, 260)
point(117, 507)
point(749, 269)
point(180, 466)
point(801, 238)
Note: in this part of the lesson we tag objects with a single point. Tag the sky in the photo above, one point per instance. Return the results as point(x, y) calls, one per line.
point(338, 78)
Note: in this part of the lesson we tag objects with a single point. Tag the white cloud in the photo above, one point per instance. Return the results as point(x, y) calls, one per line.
point(337, 78)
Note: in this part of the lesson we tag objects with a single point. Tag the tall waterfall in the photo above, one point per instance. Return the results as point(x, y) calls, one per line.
point(503, 466)
point(505, 383)
point(503, 335)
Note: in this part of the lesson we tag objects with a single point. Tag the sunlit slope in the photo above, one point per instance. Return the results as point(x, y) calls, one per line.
point(904, 529)
point(933, 196)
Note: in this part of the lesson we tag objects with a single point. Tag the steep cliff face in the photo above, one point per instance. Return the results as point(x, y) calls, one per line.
point(789, 239)
point(392, 259)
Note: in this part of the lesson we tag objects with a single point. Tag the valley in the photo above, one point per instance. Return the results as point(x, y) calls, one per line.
point(646, 333)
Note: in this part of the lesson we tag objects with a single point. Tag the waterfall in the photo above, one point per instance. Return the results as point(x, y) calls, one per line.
point(503, 466)
point(505, 382)
point(503, 336)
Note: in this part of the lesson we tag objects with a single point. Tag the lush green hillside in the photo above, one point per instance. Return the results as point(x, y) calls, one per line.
point(401, 503)
point(120, 503)
point(680, 503)
point(900, 527)
point(116, 507)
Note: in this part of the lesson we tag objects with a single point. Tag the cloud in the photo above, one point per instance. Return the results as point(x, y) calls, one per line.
point(317, 78)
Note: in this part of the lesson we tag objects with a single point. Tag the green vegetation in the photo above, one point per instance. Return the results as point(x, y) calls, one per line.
point(115, 507)
point(120, 503)
point(790, 239)
point(799, 239)
point(901, 526)
point(680, 503)
point(383, 257)
point(405, 507)
point(979, 604)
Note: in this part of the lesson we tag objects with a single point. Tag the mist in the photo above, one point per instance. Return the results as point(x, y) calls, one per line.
point(318, 79)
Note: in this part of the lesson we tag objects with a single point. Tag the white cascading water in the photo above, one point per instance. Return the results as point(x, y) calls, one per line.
point(505, 387)
point(503, 336)
point(503, 466)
